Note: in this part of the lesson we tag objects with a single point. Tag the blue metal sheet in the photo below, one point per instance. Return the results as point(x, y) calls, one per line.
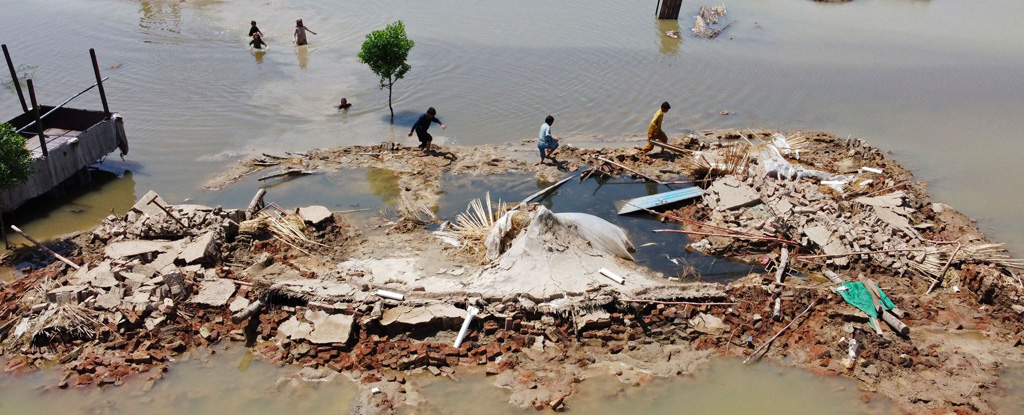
point(648, 202)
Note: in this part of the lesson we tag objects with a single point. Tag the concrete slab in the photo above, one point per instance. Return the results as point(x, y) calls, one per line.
point(315, 215)
point(420, 315)
point(101, 276)
point(294, 329)
point(733, 194)
point(202, 250)
point(123, 249)
point(214, 293)
point(329, 328)
point(239, 304)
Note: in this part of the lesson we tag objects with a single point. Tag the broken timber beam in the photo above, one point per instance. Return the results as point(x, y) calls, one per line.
point(287, 173)
point(256, 204)
point(780, 271)
point(630, 170)
point(48, 250)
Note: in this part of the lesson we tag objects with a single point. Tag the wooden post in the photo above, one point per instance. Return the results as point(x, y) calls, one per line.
point(99, 81)
point(48, 250)
point(39, 121)
point(670, 9)
point(780, 271)
point(14, 79)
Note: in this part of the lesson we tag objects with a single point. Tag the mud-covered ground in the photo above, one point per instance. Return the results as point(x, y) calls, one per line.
point(302, 287)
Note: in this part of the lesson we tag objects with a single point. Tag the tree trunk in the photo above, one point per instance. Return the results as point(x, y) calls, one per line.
point(391, 84)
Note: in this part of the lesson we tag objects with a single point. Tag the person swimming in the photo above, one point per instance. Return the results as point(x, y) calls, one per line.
point(344, 104)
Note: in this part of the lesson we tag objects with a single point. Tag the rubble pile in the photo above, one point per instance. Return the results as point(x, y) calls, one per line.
point(552, 307)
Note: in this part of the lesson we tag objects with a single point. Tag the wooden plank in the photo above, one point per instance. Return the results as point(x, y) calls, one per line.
point(547, 190)
point(651, 201)
point(672, 148)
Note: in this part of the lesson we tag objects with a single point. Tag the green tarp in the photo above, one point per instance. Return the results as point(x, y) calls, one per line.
point(858, 296)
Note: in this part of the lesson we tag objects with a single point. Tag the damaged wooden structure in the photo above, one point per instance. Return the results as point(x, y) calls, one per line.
point(64, 141)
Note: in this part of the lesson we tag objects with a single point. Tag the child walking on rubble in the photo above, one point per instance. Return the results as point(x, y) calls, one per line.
point(654, 131)
point(421, 126)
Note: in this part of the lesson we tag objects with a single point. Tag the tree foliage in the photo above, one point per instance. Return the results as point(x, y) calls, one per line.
point(15, 159)
point(386, 51)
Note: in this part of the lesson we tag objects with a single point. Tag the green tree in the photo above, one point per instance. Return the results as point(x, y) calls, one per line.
point(15, 164)
point(385, 51)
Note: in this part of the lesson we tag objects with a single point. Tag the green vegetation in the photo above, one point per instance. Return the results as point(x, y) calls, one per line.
point(15, 164)
point(15, 159)
point(386, 51)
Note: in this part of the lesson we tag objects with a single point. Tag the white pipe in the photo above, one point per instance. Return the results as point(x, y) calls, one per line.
point(390, 294)
point(470, 312)
point(612, 276)
point(871, 169)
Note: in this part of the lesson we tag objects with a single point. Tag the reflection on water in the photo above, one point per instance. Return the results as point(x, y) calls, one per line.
point(669, 45)
point(726, 388)
point(205, 384)
point(83, 208)
point(302, 53)
point(160, 15)
point(384, 183)
point(659, 252)
point(345, 189)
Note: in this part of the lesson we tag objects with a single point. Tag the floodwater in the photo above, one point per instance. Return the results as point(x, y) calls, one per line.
point(936, 82)
point(230, 381)
point(227, 382)
point(727, 387)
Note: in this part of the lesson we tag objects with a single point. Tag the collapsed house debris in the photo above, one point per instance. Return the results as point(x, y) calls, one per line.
point(540, 299)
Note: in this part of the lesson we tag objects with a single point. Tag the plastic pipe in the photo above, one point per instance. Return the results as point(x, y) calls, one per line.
point(391, 294)
point(612, 276)
point(470, 312)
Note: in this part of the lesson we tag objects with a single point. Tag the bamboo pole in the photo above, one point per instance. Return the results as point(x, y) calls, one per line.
point(797, 318)
point(672, 302)
point(48, 250)
point(629, 170)
point(740, 236)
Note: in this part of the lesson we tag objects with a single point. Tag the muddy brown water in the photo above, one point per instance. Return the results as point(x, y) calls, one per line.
point(229, 381)
point(937, 83)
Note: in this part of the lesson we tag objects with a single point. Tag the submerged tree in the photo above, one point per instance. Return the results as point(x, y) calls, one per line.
point(15, 164)
point(385, 51)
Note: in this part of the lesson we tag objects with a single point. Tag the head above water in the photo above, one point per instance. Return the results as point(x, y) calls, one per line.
point(298, 22)
point(253, 22)
point(431, 111)
point(256, 35)
point(549, 120)
point(665, 107)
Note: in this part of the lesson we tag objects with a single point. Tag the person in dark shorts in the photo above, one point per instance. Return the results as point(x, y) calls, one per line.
point(253, 30)
point(257, 42)
point(421, 126)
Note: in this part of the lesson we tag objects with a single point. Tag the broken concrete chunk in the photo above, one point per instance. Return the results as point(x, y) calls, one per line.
point(110, 299)
point(123, 249)
point(709, 324)
point(147, 205)
point(314, 215)
point(214, 293)
point(733, 194)
point(329, 328)
point(101, 276)
point(202, 250)
point(421, 315)
point(66, 294)
point(239, 304)
point(294, 329)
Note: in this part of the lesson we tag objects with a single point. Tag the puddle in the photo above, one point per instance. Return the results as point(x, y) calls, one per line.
point(727, 387)
point(1011, 384)
point(347, 189)
point(660, 252)
point(222, 383)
